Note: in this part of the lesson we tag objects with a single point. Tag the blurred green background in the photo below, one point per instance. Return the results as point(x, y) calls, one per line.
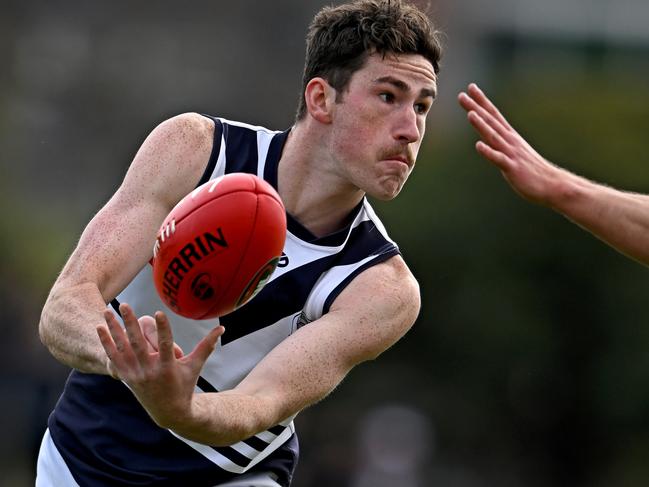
point(529, 364)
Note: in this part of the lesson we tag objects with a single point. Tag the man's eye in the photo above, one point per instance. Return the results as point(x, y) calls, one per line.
point(387, 97)
point(421, 108)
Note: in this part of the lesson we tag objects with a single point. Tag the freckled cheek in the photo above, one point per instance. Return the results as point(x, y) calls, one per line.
point(357, 141)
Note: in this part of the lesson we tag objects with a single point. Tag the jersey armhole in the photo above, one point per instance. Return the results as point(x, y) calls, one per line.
point(386, 253)
point(216, 149)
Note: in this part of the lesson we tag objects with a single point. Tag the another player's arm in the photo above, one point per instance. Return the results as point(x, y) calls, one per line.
point(619, 218)
point(119, 239)
point(370, 315)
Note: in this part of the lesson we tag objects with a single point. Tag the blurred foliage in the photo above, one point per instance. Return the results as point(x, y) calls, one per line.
point(34, 227)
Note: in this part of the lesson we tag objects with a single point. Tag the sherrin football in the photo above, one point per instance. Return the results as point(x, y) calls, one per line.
point(219, 246)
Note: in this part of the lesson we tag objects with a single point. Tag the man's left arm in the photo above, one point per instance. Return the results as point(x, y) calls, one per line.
point(376, 309)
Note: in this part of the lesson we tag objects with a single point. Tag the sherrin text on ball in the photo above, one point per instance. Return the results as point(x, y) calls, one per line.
point(219, 245)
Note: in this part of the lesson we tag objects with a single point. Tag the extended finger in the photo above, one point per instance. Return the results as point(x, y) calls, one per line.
point(204, 348)
point(464, 100)
point(499, 159)
point(148, 326)
point(106, 341)
point(134, 333)
point(492, 122)
point(467, 102)
point(487, 132)
point(165, 337)
point(479, 96)
point(109, 347)
point(117, 333)
point(151, 335)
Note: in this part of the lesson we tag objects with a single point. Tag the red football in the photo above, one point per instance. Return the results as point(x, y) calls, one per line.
point(219, 245)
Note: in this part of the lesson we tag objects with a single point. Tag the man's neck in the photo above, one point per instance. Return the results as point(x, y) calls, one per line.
point(312, 191)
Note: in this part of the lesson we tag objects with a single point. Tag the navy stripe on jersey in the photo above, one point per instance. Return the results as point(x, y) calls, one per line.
point(115, 305)
point(276, 430)
point(332, 240)
point(234, 456)
point(240, 149)
point(388, 251)
point(214, 155)
point(256, 443)
point(287, 294)
point(273, 156)
point(205, 386)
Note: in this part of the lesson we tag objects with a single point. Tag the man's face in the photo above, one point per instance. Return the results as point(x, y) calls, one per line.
point(379, 122)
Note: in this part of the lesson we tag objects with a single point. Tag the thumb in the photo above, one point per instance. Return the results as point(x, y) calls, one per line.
point(204, 348)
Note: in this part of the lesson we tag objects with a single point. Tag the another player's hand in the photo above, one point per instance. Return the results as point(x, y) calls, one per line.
point(532, 176)
point(152, 365)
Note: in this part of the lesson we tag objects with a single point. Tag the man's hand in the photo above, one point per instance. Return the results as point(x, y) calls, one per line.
point(619, 218)
point(149, 330)
point(533, 177)
point(144, 355)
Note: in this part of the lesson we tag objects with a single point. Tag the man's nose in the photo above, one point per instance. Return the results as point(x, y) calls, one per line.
point(407, 129)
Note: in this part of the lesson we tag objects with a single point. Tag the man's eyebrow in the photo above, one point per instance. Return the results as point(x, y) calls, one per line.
point(405, 87)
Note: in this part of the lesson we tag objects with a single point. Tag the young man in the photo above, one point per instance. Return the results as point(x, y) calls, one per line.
point(136, 409)
point(619, 218)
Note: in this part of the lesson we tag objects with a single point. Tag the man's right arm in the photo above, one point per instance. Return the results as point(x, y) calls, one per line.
point(119, 239)
point(619, 218)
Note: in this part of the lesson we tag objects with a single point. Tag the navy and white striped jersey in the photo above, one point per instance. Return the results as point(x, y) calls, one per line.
point(107, 438)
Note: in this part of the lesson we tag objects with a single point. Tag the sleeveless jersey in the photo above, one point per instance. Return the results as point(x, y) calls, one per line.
point(107, 438)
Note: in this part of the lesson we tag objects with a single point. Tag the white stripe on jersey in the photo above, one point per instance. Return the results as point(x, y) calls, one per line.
point(219, 170)
point(369, 211)
point(227, 464)
point(325, 286)
point(257, 128)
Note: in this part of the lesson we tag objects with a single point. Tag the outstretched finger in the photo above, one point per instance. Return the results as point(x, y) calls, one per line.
point(118, 335)
point(204, 348)
point(466, 101)
point(499, 159)
point(147, 324)
point(134, 333)
point(487, 117)
point(149, 328)
point(165, 337)
point(483, 100)
point(107, 341)
point(488, 134)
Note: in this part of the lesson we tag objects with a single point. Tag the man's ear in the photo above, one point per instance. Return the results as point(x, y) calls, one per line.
point(320, 98)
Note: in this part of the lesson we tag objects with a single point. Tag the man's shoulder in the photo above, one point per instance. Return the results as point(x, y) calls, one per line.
point(395, 282)
point(391, 277)
point(190, 127)
point(396, 271)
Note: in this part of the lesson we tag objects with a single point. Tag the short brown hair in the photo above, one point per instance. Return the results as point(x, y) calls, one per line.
point(341, 38)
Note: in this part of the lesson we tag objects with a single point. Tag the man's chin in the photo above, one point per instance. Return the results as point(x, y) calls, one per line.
point(386, 193)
